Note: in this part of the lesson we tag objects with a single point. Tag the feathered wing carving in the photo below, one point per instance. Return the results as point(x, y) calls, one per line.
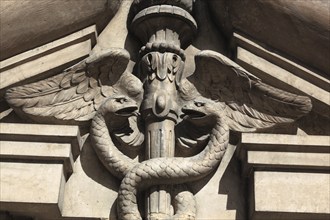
point(77, 92)
point(250, 103)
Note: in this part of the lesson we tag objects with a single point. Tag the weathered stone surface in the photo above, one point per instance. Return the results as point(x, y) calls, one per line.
point(10, 149)
point(119, 37)
point(41, 132)
point(273, 141)
point(46, 58)
point(222, 197)
point(29, 24)
point(31, 183)
point(298, 29)
point(90, 192)
point(287, 79)
point(285, 63)
point(314, 124)
point(293, 193)
point(278, 151)
point(289, 158)
point(153, 143)
point(277, 193)
point(40, 143)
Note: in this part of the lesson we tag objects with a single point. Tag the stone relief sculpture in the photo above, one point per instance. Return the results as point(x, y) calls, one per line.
point(158, 110)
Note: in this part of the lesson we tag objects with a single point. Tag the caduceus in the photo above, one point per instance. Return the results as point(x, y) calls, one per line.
point(182, 124)
point(220, 96)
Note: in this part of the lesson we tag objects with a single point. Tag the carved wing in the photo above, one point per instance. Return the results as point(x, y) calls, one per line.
point(77, 92)
point(250, 103)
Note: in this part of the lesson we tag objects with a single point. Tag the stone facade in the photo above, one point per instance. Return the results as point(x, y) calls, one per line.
point(164, 109)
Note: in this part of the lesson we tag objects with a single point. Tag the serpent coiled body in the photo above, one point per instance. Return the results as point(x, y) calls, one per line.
point(111, 157)
point(118, 163)
point(172, 170)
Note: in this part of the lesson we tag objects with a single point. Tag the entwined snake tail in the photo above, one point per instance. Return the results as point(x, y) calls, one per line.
point(171, 170)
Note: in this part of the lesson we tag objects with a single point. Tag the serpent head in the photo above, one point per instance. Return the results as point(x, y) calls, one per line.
point(122, 115)
point(121, 106)
point(194, 131)
point(200, 111)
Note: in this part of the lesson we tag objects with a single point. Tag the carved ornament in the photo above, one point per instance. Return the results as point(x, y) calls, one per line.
point(160, 112)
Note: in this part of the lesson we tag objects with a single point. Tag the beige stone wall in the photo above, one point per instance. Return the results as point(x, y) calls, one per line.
point(50, 171)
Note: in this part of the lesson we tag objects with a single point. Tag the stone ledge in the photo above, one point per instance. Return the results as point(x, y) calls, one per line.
point(284, 142)
point(35, 162)
point(37, 151)
point(283, 62)
point(285, 74)
point(290, 195)
point(38, 129)
point(31, 187)
point(283, 139)
point(34, 149)
point(288, 159)
point(285, 79)
point(288, 174)
point(279, 152)
point(59, 134)
point(57, 54)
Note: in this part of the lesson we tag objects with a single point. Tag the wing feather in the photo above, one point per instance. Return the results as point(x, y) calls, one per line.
point(251, 104)
point(76, 93)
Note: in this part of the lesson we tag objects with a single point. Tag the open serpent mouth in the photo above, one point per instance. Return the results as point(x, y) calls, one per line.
point(127, 111)
point(191, 113)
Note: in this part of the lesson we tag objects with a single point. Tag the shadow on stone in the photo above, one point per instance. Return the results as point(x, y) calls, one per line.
point(232, 186)
point(95, 170)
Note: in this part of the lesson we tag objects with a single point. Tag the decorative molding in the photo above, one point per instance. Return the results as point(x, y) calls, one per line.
point(281, 152)
point(33, 142)
point(276, 58)
point(283, 72)
point(182, 124)
point(55, 54)
point(17, 180)
point(293, 190)
point(300, 163)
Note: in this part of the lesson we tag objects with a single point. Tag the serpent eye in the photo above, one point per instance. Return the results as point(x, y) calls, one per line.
point(149, 58)
point(175, 58)
point(121, 100)
point(199, 104)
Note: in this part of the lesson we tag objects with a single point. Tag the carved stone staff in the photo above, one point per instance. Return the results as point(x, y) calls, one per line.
point(164, 29)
